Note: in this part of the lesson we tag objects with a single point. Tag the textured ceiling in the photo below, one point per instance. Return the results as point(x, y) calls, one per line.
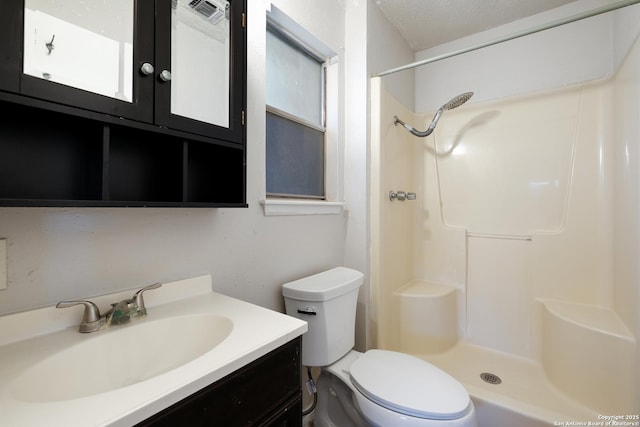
point(427, 23)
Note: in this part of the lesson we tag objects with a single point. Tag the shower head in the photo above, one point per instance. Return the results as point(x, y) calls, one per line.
point(453, 103)
point(457, 101)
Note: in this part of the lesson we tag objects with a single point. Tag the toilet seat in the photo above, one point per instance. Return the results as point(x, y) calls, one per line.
point(409, 385)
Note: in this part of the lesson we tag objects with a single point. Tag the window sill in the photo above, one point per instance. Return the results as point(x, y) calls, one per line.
point(301, 207)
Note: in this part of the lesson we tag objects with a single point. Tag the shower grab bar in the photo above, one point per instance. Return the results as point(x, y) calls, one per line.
point(525, 237)
point(536, 29)
point(401, 196)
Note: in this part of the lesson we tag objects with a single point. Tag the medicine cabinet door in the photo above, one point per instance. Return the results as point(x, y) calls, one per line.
point(200, 51)
point(96, 55)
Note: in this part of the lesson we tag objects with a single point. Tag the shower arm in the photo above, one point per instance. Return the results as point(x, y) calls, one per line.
point(453, 103)
point(420, 133)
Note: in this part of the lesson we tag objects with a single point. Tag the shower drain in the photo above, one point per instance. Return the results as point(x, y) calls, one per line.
point(490, 378)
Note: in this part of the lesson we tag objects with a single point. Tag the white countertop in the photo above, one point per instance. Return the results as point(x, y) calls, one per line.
point(29, 337)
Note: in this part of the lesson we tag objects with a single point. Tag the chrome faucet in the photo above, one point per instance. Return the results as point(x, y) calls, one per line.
point(91, 320)
point(121, 313)
point(129, 309)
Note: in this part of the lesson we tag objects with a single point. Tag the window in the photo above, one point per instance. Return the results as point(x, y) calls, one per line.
point(296, 133)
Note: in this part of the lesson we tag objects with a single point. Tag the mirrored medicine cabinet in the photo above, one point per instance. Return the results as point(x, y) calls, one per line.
point(123, 102)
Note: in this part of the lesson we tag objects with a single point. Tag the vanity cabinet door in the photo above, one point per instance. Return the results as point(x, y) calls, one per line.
point(288, 416)
point(265, 393)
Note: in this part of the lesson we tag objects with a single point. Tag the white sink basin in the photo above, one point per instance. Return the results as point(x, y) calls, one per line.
point(50, 374)
point(121, 356)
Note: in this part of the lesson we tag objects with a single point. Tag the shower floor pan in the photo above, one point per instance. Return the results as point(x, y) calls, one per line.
point(523, 397)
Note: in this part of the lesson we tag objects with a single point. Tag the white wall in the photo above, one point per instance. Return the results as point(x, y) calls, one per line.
point(566, 55)
point(386, 49)
point(55, 254)
point(356, 155)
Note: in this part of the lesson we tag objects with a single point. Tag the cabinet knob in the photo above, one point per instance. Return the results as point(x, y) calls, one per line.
point(146, 69)
point(165, 75)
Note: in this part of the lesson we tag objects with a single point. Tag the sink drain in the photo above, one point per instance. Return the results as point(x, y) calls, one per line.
point(490, 378)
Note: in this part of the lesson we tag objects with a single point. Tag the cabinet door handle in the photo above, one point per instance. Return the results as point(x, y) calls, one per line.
point(165, 75)
point(146, 69)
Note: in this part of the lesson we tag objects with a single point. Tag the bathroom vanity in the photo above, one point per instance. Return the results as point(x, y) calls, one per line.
point(197, 358)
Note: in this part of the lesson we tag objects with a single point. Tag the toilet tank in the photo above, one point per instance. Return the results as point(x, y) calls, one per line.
point(327, 302)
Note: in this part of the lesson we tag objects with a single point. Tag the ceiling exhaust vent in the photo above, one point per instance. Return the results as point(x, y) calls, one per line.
point(209, 9)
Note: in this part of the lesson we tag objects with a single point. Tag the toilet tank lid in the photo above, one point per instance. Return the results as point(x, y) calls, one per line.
point(324, 286)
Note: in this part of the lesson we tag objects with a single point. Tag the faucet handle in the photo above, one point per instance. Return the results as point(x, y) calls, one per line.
point(91, 320)
point(137, 297)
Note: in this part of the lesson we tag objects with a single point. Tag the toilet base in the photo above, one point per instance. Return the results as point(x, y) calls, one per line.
point(336, 406)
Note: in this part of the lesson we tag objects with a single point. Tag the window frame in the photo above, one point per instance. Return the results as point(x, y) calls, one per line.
point(331, 204)
point(303, 48)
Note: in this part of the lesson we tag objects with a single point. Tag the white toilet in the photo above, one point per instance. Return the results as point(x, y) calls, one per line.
point(375, 388)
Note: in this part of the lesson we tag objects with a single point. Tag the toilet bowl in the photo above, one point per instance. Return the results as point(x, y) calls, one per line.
point(375, 388)
point(386, 388)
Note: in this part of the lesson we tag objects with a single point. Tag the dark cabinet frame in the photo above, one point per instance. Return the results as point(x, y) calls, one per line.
point(11, 29)
point(61, 146)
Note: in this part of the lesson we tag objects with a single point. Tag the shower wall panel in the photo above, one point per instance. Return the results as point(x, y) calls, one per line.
point(392, 231)
point(575, 263)
point(626, 220)
point(626, 109)
point(505, 167)
point(499, 295)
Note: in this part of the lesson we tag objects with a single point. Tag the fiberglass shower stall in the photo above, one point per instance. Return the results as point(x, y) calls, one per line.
point(518, 258)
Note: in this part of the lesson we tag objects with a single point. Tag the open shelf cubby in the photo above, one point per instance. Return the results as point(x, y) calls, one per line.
point(41, 159)
point(215, 172)
point(144, 167)
point(52, 158)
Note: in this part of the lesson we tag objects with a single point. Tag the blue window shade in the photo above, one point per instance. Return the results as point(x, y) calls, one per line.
point(294, 80)
point(295, 159)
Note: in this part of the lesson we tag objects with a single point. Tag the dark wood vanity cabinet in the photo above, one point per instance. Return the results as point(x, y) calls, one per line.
point(143, 145)
point(265, 393)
